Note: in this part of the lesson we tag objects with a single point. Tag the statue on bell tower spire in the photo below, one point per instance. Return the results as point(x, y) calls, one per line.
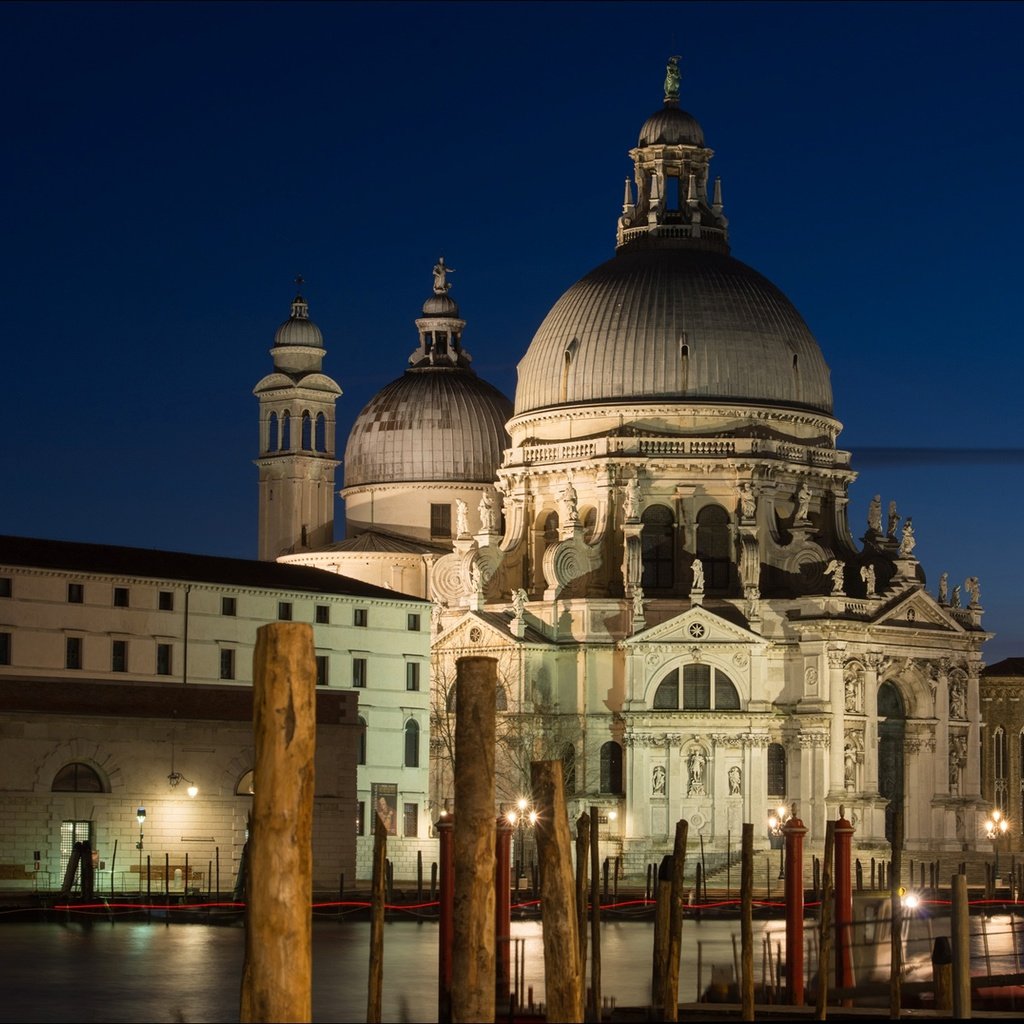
point(672, 75)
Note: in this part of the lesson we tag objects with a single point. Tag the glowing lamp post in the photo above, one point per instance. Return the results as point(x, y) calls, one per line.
point(996, 826)
point(140, 816)
point(524, 816)
point(776, 823)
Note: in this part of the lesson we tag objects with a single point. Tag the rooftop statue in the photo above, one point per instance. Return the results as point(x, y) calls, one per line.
point(672, 79)
point(441, 283)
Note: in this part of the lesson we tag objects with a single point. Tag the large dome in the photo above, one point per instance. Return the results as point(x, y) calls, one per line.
point(663, 320)
point(434, 423)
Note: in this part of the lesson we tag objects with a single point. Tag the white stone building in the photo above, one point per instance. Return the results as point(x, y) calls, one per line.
point(673, 590)
point(125, 677)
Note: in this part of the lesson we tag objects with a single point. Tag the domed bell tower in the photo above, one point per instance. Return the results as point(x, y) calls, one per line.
point(297, 443)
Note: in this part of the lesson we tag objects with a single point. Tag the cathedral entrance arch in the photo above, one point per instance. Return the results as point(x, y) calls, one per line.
point(892, 728)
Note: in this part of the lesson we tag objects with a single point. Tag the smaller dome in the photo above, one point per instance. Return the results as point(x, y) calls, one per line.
point(298, 329)
point(440, 305)
point(671, 126)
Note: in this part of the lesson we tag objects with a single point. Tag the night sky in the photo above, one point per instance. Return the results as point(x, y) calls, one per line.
point(170, 168)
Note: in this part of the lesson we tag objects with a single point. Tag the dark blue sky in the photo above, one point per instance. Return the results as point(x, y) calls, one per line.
point(169, 169)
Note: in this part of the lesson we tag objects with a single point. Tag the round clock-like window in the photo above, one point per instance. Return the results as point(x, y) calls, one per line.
point(697, 630)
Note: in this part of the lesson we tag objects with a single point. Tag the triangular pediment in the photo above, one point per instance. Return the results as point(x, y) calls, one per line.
point(696, 625)
point(482, 631)
point(919, 610)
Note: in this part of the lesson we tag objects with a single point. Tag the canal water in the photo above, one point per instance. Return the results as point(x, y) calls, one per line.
point(130, 971)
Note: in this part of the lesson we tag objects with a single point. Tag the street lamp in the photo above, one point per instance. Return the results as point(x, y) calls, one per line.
point(140, 815)
point(996, 826)
point(776, 823)
point(525, 816)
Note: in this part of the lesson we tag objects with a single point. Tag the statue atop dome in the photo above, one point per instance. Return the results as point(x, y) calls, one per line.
point(441, 272)
point(672, 80)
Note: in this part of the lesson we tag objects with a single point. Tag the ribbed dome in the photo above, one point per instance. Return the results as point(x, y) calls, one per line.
point(664, 321)
point(671, 126)
point(434, 423)
point(440, 305)
point(298, 329)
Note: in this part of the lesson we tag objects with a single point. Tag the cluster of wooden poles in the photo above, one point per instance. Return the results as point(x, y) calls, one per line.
point(475, 883)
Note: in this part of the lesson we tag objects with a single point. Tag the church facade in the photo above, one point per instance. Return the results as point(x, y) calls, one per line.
point(655, 545)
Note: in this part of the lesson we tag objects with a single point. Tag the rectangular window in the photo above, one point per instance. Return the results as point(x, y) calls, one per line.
point(163, 659)
point(120, 597)
point(5, 648)
point(227, 663)
point(412, 622)
point(360, 817)
point(412, 675)
point(119, 656)
point(440, 521)
point(73, 652)
point(166, 601)
point(76, 593)
point(5, 586)
point(72, 832)
point(360, 617)
point(412, 820)
point(321, 670)
point(359, 672)
point(323, 613)
point(284, 611)
point(228, 606)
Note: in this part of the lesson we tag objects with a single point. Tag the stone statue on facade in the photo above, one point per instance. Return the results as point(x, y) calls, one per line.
point(697, 567)
point(907, 542)
point(571, 499)
point(659, 778)
point(631, 500)
point(803, 502)
point(973, 587)
point(957, 760)
point(695, 768)
point(735, 780)
point(955, 603)
point(875, 514)
point(837, 571)
point(637, 597)
point(852, 693)
point(894, 521)
point(441, 282)
point(519, 599)
point(850, 766)
point(867, 574)
point(944, 588)
point(486, 510)
point(748, 502)
point(461, 518)
point(957, 701)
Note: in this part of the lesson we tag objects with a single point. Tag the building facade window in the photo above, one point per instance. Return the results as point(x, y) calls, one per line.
point(412, 744)
point(228, 606)
point(704, 689)
point(284, 611)
point(999, 766)
point(323, 614)
point(776, 771)
point(440, 521)
point(360, 617)
point(611, 767)
point(412, 622)
point(359, 672)
point(360, 817)
point(73, 652)
point(120, 597)
point(5, 586)
point(76, 593)
point(361, 748)
point(657, 547)
point(166, 601)
point(5, 648)
point(119, 656)
point(322, 663)
point(412, 675)
point(412, 820)
point(163, 659)
point(227, 663)
point(76, 778)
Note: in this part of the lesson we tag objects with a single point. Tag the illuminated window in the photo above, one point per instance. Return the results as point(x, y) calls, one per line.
point(412, 820)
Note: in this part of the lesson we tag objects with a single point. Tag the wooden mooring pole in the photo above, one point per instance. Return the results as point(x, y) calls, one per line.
point(375, 984)
point(473, 957)
point(747, 923)
point(675, 924)
point(277, 972)
point(563, 975)
point(825, 924)
point(595, 914)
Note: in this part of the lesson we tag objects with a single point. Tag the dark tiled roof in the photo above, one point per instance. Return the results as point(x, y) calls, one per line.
point(380, 540)
point(1006, 667)
point(132, 699)
point(72, 556)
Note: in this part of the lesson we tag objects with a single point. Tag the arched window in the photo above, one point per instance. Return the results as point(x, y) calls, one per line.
point(776, 771)
point(244, 786)
point(321, 432)
point(412, 744)
point(77, 778)
point(569, 769)
point(272, 433)
point(657, 547)
point(361, 749)
point(704, 689)
point(714, 547)
point(307, 432)
point(286, 431)
point(611, 767)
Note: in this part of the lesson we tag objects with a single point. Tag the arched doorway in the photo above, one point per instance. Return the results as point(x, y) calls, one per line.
point(892, 727)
